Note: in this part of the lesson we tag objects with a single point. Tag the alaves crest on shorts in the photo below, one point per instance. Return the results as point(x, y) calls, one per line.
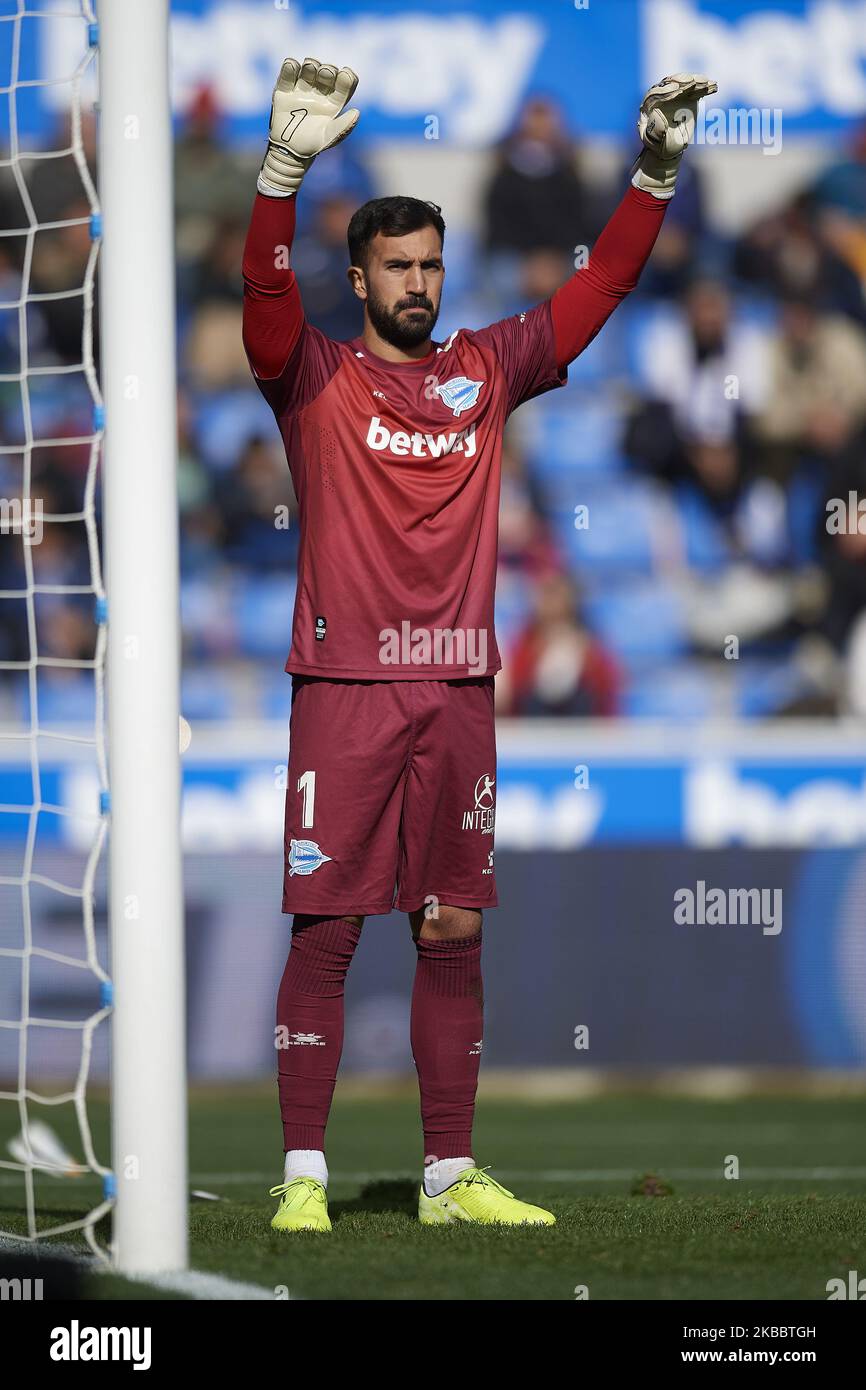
point(305, 857)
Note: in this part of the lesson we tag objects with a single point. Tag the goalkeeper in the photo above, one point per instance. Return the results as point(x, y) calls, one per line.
point(394, 442)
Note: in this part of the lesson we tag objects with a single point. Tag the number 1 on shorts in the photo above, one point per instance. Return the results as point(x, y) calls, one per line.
point(307, 784)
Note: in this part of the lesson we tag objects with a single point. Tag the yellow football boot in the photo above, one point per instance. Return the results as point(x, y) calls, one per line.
point(303, 1206)
point(475, 1196)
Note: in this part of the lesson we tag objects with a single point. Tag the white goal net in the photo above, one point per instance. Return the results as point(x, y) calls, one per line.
point(54, 989)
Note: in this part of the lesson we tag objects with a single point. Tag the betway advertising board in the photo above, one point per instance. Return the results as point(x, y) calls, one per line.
point(471, 63)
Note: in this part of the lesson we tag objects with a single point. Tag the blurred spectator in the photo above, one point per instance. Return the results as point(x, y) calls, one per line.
point(214, 275)
point(817, 383)
point(556, 666)
point(68, 632)
point(854, 675)
point(750, 512)
point(320, 259)
point(52, 176)
point(213, 357)
point(541, 274)
point(342, 177)
point(703, 372)
point(59, 264)
point(839, 199)
point(738, 528)
point(537, 204)
point(536, 200)
point(525, 543)
point(843, 546)
point(59, 255)
point(201, 526)
point(258, 509)
point(796, 251)
point(843, 184)
point(212, 182)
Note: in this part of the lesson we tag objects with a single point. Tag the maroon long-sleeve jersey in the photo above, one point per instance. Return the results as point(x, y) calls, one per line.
point(396, 466)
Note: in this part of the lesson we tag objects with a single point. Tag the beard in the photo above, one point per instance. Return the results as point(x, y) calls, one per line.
point(398, 328)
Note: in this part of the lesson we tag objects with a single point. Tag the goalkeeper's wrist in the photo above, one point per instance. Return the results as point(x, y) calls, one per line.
point(656, 176)
point(269, 191)
point(281, 173)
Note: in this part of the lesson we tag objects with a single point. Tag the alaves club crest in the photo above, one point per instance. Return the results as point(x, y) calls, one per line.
point(459, 393)
point(305, 857)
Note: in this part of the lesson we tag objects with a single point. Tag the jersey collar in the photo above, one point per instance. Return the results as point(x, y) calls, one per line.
point(359, 349)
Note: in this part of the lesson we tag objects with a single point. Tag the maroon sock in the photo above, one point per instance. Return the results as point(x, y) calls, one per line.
point(310, 1025)
point(447, 1019)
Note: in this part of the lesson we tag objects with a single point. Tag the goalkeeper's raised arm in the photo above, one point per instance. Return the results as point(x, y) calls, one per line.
point(666, 126)
point(308, 115)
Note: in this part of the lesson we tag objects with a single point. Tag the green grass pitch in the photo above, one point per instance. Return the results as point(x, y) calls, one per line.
point(795, 1218)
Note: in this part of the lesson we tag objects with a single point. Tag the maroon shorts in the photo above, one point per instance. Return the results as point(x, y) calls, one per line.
point(391, 796)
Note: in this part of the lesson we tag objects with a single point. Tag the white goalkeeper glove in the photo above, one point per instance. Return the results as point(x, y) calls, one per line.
point(307, 117)
point(666, 125)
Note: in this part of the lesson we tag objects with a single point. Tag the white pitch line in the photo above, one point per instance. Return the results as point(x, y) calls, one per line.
point(576, 1175)
point(194, 1283)
point(569, 1175)
point(204, 1287)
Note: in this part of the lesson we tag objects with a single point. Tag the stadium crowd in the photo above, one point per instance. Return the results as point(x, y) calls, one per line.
point(665, 550)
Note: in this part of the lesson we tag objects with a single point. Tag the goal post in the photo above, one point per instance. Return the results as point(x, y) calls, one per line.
point(137, 353)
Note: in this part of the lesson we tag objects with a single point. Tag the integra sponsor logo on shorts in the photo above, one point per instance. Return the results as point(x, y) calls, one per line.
point(483, 814)
point(418, 445)
point(305, 857)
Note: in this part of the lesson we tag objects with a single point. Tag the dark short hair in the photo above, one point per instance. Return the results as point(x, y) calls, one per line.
point(391, 217)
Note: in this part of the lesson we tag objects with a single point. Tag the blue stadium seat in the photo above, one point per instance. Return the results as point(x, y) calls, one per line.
point(764, 687)
point(706, 546)
point(624, 523)
point(639, 317)
point(263, 615)
point(469, 311)
point(805, 501)
point(679, 692)
point(276, 695)
point(225, 422)
point(206, 693)
point(604, 359)
point(16, 697)
point(66, 701)
point(560, 439)
point(513, 606)
point(206, 618)
point(757, 310)
point(642, 621)
point(461, 265)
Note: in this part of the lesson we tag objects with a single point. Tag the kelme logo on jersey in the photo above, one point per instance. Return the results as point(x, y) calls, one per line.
point(459, 393)
point(483, 814)
point(305, 857)
point(418, 445)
